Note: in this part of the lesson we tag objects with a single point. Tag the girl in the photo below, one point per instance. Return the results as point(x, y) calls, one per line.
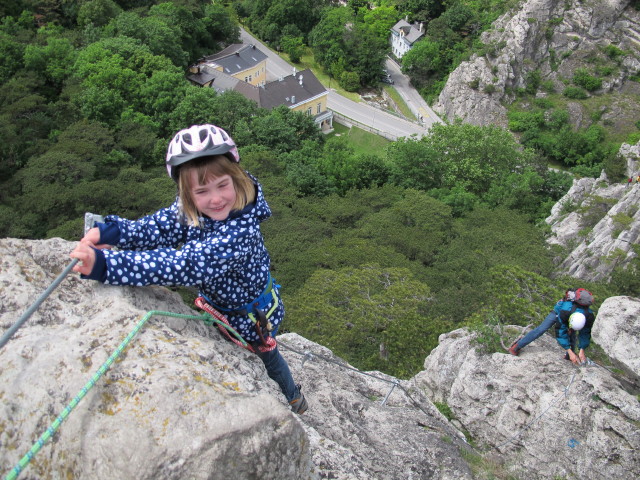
point(210, 238)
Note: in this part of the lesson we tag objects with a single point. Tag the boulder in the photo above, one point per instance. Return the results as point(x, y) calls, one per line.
point(538, 413)
point(619, 330)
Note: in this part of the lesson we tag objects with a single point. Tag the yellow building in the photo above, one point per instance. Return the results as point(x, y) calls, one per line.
point(241, 61)
point(242, 68)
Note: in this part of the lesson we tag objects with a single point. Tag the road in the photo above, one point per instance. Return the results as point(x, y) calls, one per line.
point(388, 125)
point(410, 95)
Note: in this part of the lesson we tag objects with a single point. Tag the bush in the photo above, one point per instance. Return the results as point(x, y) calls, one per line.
point(575, 93)
point(613, 52)
point(583, 79)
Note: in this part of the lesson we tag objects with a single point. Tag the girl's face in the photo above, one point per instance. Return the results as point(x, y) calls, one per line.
point(215, 198)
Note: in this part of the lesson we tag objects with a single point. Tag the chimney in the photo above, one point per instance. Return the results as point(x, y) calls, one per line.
point(294, 71)
point(300, 79)
point(293, 99)
point(421, 25)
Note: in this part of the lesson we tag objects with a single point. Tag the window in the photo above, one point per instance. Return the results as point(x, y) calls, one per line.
point(309, 111)
point(319, 108)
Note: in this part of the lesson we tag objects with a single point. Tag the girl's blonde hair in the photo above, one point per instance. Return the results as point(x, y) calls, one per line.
point(207, 168)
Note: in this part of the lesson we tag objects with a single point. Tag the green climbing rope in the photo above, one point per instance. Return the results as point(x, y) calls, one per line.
point(53, 428)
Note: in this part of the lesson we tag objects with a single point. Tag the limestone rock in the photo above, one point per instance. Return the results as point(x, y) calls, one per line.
point(597, 223)
point(181, 402)
point(176, 404)
point(537, 410)
point(619, 330)
point(554, 37)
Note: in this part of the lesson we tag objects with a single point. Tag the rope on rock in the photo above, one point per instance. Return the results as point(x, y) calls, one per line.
point(53, 428)
point(394, 383)
point(517, 434)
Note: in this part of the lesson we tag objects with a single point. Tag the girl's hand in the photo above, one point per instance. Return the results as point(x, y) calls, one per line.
point(87, 256)
point(92, 238)
point(573, 357)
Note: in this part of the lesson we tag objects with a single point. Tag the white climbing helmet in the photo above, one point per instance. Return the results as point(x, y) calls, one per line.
point(577, 321)
point(199, 141)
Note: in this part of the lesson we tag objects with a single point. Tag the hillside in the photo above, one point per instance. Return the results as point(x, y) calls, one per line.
point(539, 48)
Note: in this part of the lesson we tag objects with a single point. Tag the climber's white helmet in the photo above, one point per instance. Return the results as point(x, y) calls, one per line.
point(577, 321)
point(199, 141)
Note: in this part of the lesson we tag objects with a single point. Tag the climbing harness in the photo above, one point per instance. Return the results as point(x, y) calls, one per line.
point(53, 428)
point(255, 310)
point(267, 344)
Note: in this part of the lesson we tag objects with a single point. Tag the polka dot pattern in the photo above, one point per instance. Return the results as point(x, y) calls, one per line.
point(227, 260)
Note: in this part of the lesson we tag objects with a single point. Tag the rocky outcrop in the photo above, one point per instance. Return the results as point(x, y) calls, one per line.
point(619, 330)
point(546, 417)
point(554, 37)
point(181, 402)
point(597, 223)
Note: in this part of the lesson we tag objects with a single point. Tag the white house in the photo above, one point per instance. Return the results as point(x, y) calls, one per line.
point(404, 35)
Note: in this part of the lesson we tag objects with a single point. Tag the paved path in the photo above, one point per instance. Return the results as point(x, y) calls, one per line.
point(378, 120)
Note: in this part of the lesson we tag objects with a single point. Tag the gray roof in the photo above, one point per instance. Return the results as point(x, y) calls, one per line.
point(291, 90)
point(236, 58)
point(412, 33)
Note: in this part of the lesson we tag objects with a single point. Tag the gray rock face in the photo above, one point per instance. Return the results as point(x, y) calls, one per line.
point(552, 36)
point(177, 404)
point(545, 417)
point(619, 330)
point(181, 402)
point(597, 223)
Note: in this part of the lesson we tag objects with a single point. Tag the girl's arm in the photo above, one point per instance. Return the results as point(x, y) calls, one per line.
point(161, 229)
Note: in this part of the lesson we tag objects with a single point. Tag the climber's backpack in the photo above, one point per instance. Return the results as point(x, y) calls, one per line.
point(583, 297)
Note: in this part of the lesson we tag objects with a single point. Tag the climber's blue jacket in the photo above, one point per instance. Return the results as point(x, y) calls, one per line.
point(227, 260)
point(564, 309)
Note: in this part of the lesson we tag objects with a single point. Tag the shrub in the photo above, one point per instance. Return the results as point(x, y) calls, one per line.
point(575, 93)
point(583, 79)
point(489, 88)
point(613, 52)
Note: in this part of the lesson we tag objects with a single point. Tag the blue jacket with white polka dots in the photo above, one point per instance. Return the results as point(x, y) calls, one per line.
point(227, 260)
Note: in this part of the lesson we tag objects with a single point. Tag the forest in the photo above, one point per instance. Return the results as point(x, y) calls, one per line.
point(377, 252)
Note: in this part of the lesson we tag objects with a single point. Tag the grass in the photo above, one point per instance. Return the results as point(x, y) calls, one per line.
point(395, 96)
point(361, 140)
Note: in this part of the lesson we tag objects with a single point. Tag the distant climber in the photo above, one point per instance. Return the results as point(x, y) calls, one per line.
point(571, 317)
point(209, 238)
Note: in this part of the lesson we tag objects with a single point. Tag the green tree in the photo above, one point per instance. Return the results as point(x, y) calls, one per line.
point(51, 60)
point(371, 316)
point(97, 12)
point(427, 59)
point(415, 226)
point(481, 240)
